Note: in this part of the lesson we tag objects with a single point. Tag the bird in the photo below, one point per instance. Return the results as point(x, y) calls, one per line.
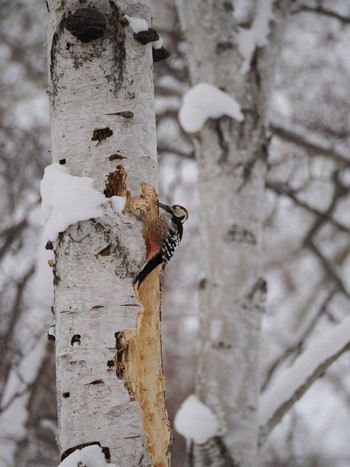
point(163, 235)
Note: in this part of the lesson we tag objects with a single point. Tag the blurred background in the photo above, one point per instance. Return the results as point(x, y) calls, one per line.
point(306, 258)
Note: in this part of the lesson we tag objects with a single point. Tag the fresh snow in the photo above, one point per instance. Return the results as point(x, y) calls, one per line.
point(90, 456)
point(158, 44)
point(67, 199)
point(205, 101)
point(304, 367)
point(196, 421)
point(257, 35)
point(137, 24)
point(118, 203)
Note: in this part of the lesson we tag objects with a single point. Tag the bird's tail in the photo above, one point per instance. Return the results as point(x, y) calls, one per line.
point(147, 269)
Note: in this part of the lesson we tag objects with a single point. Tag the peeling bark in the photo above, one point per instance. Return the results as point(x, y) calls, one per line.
point(110, 383)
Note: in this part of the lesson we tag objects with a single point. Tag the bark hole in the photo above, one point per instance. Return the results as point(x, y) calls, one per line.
point(96, 381)
point(105, 251)
point(86, 24)
point(116, 157)
point(124, 114)
point(223, 46)
point(75, 340)
point(221, 346)
point(240, 235)
point(100, 134)
point(116, 183)
point(110, 363)
point(65, 395)
point(62, 161)
point(122, 348)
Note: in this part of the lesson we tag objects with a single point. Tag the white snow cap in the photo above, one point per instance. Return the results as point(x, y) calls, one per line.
point(137, 24)
point(195, 421)
point(118, 203)
point(205, 101)
point(67, 199)
point(257, 35)
point(90, 456)
point(158, 44)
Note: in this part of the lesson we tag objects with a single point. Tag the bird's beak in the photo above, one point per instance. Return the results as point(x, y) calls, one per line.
point(163, 206)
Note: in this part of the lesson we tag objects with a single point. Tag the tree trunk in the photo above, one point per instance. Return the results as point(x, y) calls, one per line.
point(232, 166)
point(110, 385)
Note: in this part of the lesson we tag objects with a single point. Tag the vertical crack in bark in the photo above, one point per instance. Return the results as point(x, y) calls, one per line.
point(54, 75)
point(118, 44)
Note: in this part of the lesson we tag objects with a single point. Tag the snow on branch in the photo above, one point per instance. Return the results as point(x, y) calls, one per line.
point(137, 24)
point(143, 33)
point(296, 380)
point(195, 421)
point(90, 456)
point(67, 199)
point(205, 101)
point(257, 35)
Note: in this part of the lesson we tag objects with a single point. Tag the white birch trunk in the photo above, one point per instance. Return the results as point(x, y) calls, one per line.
point(109, 390)
point(231, 160)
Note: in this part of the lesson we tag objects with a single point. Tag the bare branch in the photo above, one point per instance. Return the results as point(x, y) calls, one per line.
point(327, 267)
point(324, 12)
point(295, 348)
point(285, 190)
point(11, 234)
point(311, 143)
point(296, 380)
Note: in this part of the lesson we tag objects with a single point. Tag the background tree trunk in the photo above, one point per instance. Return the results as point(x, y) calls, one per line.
point(110, 385)
point(232, 166)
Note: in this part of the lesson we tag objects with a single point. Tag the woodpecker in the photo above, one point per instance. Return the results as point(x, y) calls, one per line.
point(163, 235)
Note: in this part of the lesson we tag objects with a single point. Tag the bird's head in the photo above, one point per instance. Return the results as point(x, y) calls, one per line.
point(176, 210)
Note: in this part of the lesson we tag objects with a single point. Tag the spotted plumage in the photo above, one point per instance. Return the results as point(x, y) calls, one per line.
point(164, 234)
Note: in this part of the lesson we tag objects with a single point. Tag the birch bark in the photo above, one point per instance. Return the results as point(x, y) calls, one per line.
point(231, 160)
point(110, 385)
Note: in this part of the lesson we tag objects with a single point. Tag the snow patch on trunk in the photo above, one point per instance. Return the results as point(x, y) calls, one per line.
point(195, 421)
point(257, 35)
point(118, 203)
point(90, 456)
point(137, 24)
point(67, 199)
point(205, 101)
